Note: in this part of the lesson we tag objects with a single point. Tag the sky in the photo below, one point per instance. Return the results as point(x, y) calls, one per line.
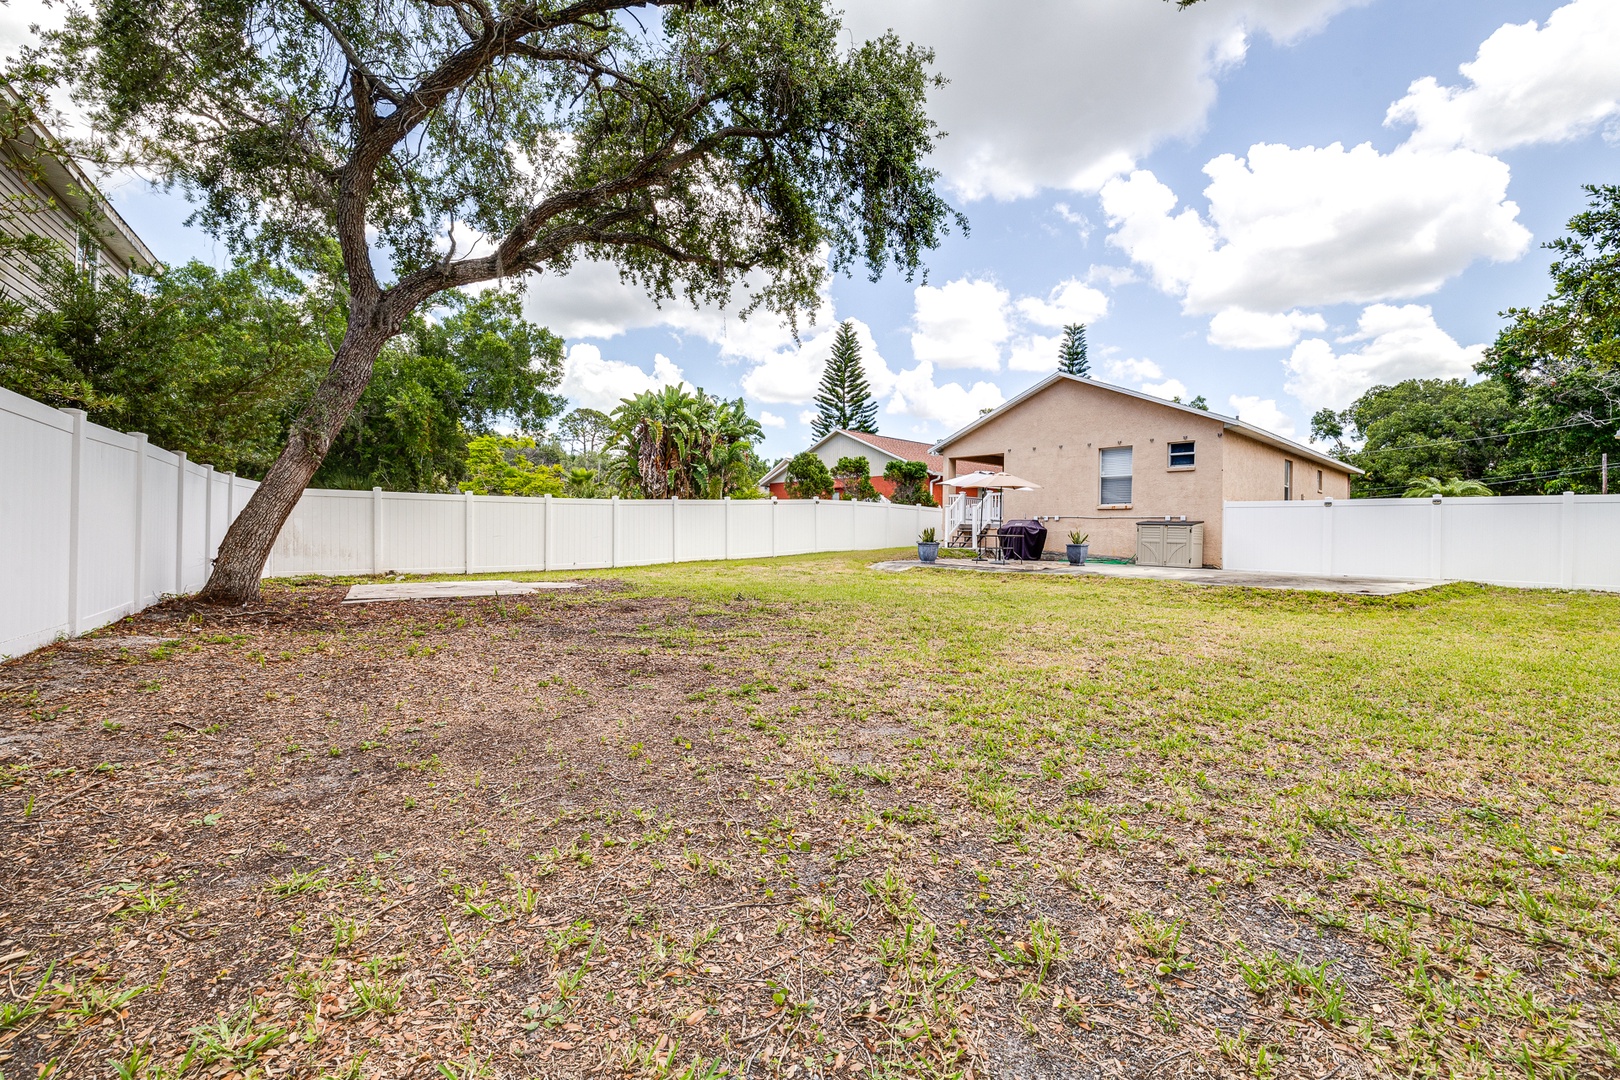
point(1275, 204)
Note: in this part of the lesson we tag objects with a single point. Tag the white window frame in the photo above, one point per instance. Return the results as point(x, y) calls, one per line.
point(1170, 454)
point(1110, 470)
point(1288, 480)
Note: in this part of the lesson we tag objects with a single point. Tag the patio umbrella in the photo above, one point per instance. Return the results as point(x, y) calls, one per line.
point(991, 480)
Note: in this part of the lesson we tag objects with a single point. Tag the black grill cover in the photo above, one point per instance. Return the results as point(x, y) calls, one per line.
point(1023, 539)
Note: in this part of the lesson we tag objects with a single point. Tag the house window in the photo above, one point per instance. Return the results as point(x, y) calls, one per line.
point(1116, 476)
point(1181, 455)
point(1288, 480)
point(1318, 479)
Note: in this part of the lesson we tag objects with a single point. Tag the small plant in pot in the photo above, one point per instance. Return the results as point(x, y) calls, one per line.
point(1078, 548)
point(927, 546)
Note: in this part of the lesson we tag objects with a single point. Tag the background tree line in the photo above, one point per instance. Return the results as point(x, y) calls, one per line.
point(219, 363)
point(1547, 409)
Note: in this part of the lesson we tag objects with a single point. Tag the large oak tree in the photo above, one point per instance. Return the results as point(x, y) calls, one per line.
point(720, 151)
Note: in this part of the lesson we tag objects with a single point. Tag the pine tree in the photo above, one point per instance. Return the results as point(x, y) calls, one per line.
point(1072, 353)
point(844, 400)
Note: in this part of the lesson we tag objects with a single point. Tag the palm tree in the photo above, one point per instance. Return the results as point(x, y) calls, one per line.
point(581, 483)
point(1456, 488)
point(675, 442)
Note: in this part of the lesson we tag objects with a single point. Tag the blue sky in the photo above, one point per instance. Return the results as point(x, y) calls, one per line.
point(1273, 203)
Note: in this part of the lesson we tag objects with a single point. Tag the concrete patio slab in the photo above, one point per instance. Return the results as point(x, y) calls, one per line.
point(1248, 579)
point(441, 590)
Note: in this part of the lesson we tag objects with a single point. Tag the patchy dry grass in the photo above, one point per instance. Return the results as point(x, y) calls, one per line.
point(802, 819)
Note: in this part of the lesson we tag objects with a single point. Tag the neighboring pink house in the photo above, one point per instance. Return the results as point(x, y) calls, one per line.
point(879, 450)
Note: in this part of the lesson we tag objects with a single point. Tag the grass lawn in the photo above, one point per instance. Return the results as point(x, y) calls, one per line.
point(802, 819)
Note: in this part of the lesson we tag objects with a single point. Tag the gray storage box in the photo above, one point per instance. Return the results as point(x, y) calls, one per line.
point(1169, 543)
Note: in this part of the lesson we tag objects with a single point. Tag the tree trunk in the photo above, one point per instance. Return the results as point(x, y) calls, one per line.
point(247, 543)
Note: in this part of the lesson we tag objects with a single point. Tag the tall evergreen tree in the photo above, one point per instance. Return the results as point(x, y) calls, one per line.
point(844, 400)
point(1072, 352)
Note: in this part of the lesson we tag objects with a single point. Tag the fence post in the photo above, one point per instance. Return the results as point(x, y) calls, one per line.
point(208, 518)
point(376, 530)
point(674, 529)
point(1437, 549)
point(1327, 536)
point(467, 531)
point(775, 506)
point(1566, 541)
point(180, 524)
point(615, 526)
point(140, 521)
point(75, 517)
point(725, 528)
point(545, 542)
point(815, 523)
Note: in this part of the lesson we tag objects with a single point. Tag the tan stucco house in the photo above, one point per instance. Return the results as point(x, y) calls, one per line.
point(1106, 457)
point(45, 194)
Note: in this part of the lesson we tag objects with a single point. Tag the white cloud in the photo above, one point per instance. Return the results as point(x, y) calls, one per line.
point(1170, 389)
point(1306, 227)
point(1070, 302)
point(595, 382)
point(1262, 413)
point(1527, 84)
point(1112, 276)
point(1132, 370)
point(806, 416)
point(961, 324)
point(916, 395)
point(1399, 343)
point(1038, 352)
point(1236, 328)
point(1095, 86)
point(770, 419)
point(1081, 223)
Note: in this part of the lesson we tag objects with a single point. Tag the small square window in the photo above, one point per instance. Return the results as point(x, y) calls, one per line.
point(1181, 455)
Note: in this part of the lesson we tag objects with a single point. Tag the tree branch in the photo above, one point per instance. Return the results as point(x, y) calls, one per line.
point(349, 51)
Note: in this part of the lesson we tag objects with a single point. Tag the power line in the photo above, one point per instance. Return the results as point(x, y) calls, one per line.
point(1483, 438)
point(1551, 474)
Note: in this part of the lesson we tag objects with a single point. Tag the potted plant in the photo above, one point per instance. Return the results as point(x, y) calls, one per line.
point(927, 546)
point(1077, 548)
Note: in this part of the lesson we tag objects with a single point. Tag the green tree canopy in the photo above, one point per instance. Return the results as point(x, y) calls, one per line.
point(1072, 351)
point(855, 473)
point(439, 385)
point(1560, 363)
point(910, 480)
point(497, 465)
point(807, 477)
point(706, 148)
point(1421, 427)
point(844, 400)
point(210, 362)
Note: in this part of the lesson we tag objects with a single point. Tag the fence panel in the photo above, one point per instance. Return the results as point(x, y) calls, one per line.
point(750, 528)
point(1535, 541)
point(327, 529)
point(107, 548)
point(509, 534)
point(645, 532)
point(36, 444)
point(584, 538)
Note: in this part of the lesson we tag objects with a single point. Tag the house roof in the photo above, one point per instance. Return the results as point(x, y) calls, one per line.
point(1231, 423)
point(30, 143)
point(896, 449)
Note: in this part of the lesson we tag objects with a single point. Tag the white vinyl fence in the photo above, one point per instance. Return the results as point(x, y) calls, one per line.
point(1535, 541)
point(369, 532)
point(95, 524)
